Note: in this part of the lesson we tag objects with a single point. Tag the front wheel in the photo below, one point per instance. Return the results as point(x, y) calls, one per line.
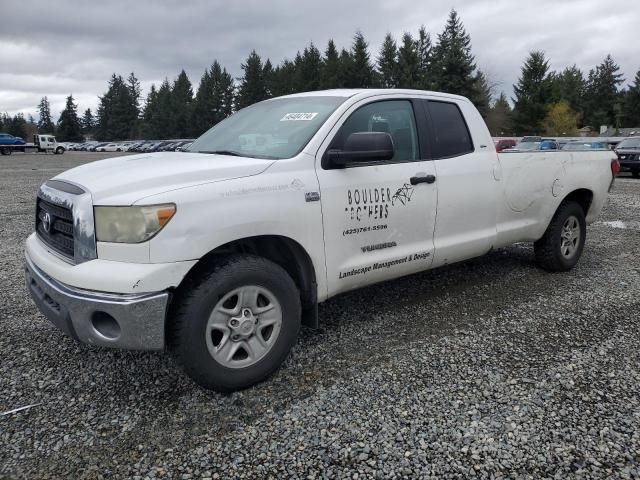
point(59, 151)
point(6, 151)
point(235, 325)
point(561, 246)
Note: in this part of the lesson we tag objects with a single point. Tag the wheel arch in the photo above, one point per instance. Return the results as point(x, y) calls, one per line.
point(582, 196)
point(281, 250)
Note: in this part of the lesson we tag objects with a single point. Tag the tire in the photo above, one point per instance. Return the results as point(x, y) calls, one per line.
point(6, 151)
point(205, 357)
point(555, 253)
point(636, 174)
point(59, 151)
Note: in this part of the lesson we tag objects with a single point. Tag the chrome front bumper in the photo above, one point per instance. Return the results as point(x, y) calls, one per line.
point(128, 321)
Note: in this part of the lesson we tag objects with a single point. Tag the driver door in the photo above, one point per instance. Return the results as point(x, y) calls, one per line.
point(379, 217)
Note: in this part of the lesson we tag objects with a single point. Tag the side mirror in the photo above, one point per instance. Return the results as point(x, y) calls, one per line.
point(363, 147)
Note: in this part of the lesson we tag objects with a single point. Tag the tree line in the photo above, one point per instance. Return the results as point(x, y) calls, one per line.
point(544, 101)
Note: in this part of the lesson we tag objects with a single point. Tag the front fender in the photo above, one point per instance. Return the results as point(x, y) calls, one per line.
point(272, 203)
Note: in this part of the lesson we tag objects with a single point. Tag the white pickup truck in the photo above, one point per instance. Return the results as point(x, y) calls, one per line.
point(220, 253)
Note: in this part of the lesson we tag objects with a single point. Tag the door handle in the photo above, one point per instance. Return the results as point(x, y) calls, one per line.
point(422, 179)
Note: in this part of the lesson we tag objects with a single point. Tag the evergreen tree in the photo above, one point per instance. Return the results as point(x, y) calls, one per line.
point(453, 65)
point(632, 104)
point(203, 104)
point(483, 98)
point(30, 128)
point(214, 99)
point(602, 99)
point(181, 104)
point(227, 89)
point(87, 122)
point(134, 88)
point(149, 114)
point(164, 125)
point(408, 63)
point(388, 63)
point(424, 48)
point(570, 85)
point(117, 116)
point(282, 80)
point(252, 87)
point(135, 91)
point(499, 119)
point(69, 127)
point(330, 73)
point(346, 69)
point(17, 125)
point(532, 92)
point(45, 124)
point(361, 73)
point(268, 74)
point(309, 69)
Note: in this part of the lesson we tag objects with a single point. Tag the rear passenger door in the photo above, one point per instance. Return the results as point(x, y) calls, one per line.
point(467, 188)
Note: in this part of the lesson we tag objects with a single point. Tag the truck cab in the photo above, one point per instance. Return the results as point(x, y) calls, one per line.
point(47, 143)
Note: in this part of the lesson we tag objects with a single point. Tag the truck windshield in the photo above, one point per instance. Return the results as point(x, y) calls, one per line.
point(276, 129)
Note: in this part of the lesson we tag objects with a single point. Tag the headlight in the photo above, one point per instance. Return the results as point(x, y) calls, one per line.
point(131, 224)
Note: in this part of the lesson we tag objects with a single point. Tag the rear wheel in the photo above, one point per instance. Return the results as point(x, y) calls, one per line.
point(235, 325)
point(561, 246)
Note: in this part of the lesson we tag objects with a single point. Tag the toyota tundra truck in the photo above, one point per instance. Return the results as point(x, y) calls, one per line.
point(220, 253)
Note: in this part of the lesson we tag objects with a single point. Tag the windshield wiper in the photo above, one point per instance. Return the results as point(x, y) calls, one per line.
point(239, 154)
point(223, 152)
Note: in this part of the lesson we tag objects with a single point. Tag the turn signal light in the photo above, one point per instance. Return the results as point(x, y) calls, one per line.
point(165, 214)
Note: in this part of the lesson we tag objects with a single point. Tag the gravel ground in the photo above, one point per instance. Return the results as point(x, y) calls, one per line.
point(490, 368)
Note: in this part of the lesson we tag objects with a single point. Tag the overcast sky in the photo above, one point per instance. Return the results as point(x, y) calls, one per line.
point(62, 47)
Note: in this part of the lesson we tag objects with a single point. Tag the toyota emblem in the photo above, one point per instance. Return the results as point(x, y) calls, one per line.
point(46, 222)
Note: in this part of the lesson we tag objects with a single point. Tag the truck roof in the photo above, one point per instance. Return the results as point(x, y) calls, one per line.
point(365, 92)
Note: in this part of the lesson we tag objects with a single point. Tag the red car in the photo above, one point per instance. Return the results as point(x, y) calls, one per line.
point(504, 143)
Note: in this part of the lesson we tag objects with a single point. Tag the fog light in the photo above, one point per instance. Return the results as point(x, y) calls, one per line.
point(105, 325)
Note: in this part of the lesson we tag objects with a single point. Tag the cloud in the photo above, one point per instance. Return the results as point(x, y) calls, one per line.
point(77, 45)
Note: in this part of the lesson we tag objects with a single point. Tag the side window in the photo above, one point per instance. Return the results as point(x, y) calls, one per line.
point(452, 137)
point(394, 117)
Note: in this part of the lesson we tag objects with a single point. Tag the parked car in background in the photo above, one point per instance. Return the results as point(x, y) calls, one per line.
point(157, 147)
point(95, 147)
point(524, 147)
point(504, 143)
point(628, 151)
point(9, 143)
point(530, 138)
point(110, 147)
point(575, 146)
point(184, 146)
point(548, 144)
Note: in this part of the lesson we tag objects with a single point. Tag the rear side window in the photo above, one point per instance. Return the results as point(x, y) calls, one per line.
point(452, 136)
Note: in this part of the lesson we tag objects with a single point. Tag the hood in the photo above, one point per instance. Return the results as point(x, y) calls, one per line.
point(125, 180)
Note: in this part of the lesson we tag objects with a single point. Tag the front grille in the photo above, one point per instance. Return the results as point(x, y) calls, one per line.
point(60, 233)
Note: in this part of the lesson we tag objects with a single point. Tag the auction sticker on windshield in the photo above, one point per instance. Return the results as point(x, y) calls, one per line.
point(297, 116)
